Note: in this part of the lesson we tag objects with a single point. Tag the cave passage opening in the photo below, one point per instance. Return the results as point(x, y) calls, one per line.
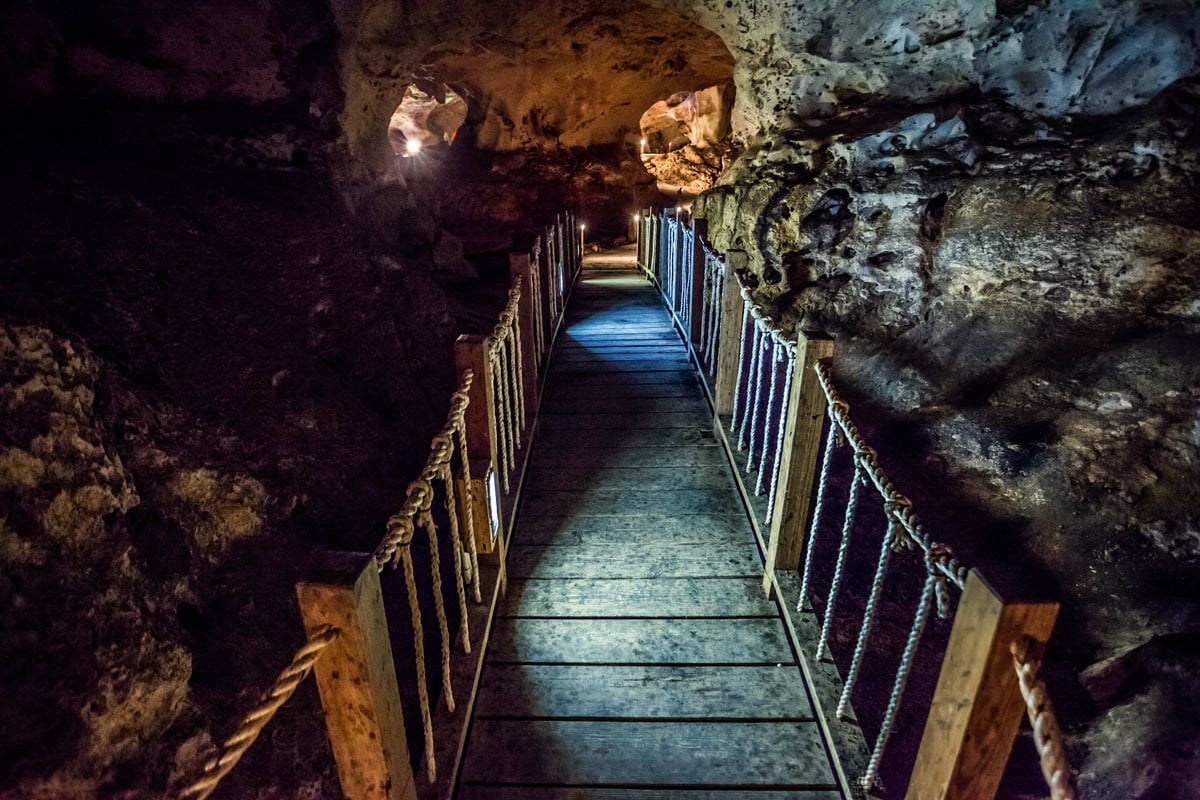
point(427, 116)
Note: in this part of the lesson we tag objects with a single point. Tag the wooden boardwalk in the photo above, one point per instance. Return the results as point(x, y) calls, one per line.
point(635, 655)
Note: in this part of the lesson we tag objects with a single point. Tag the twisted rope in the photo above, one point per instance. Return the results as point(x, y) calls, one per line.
point(220, 764)
point(1046, 734)
point(885, 554)
point(910, 533)
point(906, 659)
point(414, 611)
point(751, 417)
point(739, 392)
point(469, 504)
point(836, 585)
point(818, 508)
point(439, 602)
point(504, 434)
point(767, 456)
point(784, 409)
point(446, 475)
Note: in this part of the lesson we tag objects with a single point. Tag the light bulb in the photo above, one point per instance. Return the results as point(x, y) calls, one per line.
point(413, 147)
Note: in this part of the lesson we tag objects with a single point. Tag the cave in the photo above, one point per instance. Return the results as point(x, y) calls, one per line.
point(244, 244)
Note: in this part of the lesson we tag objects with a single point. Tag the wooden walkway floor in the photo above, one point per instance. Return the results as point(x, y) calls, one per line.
point(635, 655)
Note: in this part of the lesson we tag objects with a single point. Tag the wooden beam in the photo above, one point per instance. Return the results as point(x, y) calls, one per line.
point(519, 266)
point(730, 344)
point(470, 353)
point(800, 454)
point(977, 706)
point(356, 677)
point(696, 265)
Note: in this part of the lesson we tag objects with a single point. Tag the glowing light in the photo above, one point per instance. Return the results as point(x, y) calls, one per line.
point(493, 497)
point(637, 217)
point(412, 147)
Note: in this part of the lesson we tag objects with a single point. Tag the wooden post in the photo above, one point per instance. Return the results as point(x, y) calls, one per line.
point(519, 266)
point(486, 534)
point(730, 344)
point(542, 265)
point(679, 266)
point(696, 310)
point(480, 419)
point(800, 454)
point(977, 706)
point(356, 677)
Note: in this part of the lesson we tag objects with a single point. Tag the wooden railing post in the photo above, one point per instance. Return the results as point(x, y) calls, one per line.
point(977, 706)
point(730, 345)
point(696, 265)
point(470, 352)
point(679, 266)
point(356, 677)
point(799, 457)
point(519, 266)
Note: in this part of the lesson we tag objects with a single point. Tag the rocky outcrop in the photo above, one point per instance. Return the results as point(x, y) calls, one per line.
point(95, 666)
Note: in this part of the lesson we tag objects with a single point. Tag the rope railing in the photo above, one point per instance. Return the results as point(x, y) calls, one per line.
point(233, 748)
point(760, 393)
point(535, 303)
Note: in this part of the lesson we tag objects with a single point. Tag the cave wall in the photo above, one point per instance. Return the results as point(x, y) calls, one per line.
point(555, 74)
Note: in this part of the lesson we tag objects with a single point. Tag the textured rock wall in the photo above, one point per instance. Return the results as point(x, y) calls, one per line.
point(798, 63)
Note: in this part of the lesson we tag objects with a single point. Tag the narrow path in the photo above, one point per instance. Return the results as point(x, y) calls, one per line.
point(635, 655)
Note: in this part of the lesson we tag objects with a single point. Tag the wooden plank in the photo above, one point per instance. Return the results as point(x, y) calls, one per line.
point(729, 346)
point(977, 707)
point(663, 364)
point(622, 476)
point(626, 502)
point(702, 754)
point(628, 420)
point(801, 453)
point(566, 392)
point(631, 597)
point(634, 455)
point(356, 677)
point(683, 528)
point(651, 559)
point(583, 403)
point(620, 355)
point(644, 438)
point(478, 791)
point(624, 338)
point(640, 641)
point(691, 693)
point(683, 377)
